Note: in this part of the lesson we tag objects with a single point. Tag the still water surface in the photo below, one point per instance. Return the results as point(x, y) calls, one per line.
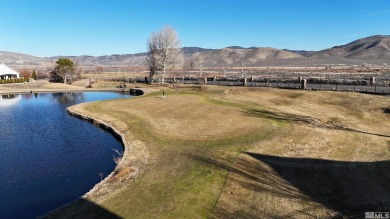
point(47, 157)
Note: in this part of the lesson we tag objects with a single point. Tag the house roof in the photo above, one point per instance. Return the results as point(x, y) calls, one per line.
point(5, 70)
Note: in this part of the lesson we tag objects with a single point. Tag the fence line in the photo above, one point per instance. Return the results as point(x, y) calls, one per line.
point(357, 86)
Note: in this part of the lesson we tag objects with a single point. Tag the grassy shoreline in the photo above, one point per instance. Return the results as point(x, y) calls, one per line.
point(198, 169)
point(227, 152)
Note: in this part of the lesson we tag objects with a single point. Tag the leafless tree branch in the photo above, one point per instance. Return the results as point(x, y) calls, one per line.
point(164, 51)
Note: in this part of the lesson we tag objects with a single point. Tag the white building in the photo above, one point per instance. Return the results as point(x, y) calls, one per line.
point(7, 72)
point(9, 99)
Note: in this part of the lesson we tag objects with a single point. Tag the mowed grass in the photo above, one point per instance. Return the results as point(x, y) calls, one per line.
point(251, 153)
point(177, 130)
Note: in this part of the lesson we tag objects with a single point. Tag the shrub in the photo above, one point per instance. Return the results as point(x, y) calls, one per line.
point(14, 80)
point(34, 75)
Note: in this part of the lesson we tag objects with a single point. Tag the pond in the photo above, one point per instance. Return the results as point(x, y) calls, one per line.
point(47, 157)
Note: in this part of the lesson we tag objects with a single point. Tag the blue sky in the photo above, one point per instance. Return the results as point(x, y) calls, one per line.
point(105, 27)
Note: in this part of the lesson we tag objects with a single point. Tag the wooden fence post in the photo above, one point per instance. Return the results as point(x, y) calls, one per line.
point(303, 84)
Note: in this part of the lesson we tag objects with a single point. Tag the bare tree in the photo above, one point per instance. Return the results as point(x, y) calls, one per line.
point(25, 73)
point(164, 51)
point(242, 59)
point(78, 72)
point(197, 62)
point(98, 69)
point(152, 57)
point(43, 74)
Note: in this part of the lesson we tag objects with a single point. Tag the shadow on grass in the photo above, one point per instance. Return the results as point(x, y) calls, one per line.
point(346, 187)
point(82, 209)
point(349, 188)
point(304, 119)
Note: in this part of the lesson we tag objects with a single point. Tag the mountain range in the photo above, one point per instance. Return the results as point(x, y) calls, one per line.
point(371, 50)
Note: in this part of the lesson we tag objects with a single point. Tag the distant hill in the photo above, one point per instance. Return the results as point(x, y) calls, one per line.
point(188, 51)
point(134, 60)
point(302, 52)
point(231, 56)
point(372, 50)
point(19, 59)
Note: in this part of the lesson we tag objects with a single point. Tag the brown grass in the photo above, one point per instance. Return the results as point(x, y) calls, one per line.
point(251, 153)
point(260, 189)
point(38, 86)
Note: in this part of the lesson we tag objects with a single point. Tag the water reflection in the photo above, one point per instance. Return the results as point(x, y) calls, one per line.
point(68, 98)
point(9, 99)
point(27, 96)
point(47, 157)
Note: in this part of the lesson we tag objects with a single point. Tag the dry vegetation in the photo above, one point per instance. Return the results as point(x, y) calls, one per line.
point(240, 152)
point(45, 86)
point(336, 164)
point(249, 153)
point(38, 86)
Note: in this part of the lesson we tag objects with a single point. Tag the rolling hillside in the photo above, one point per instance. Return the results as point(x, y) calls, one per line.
point(372, 50)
